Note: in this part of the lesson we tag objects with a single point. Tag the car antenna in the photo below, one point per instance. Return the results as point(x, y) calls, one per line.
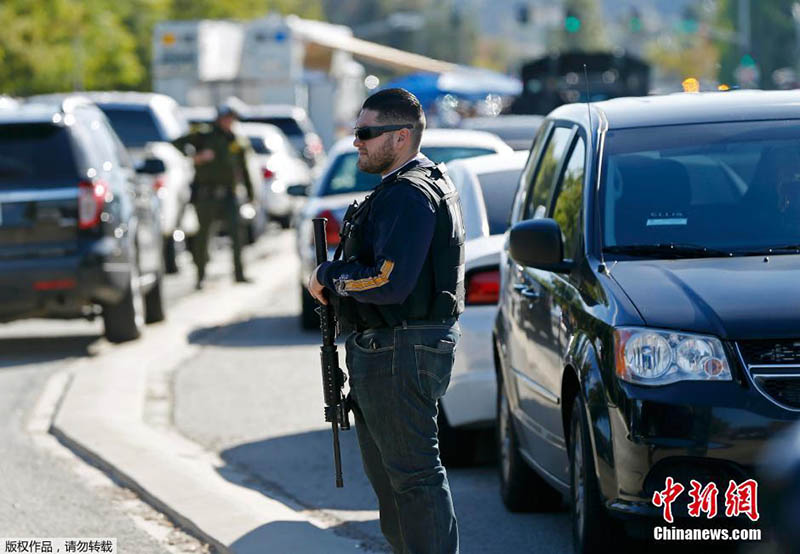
point(602, 267)
point(588, 103)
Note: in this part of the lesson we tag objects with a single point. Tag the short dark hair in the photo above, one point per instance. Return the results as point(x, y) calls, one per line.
point(397, 105)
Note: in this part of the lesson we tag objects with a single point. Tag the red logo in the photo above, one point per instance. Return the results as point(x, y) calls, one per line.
point(739, 499)
point(666, 497)
point(742, 499)
point(703, 501)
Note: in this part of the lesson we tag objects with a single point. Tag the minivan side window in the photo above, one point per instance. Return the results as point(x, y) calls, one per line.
point(528, 172)
point(567, 210)
point(537, 202)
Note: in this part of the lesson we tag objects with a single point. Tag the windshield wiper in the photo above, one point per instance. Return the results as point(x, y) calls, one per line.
point(668, 249)
point(783, 249)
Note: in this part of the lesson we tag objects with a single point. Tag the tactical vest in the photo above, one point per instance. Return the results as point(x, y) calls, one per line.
point(439, 292)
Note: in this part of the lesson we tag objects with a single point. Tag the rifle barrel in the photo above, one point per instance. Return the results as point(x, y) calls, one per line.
point(331, 383)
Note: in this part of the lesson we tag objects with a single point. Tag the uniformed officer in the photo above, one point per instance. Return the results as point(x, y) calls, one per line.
point(221, 179)
point(400, 287)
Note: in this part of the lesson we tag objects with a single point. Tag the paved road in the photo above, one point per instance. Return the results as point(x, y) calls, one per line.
point(47, 491)
point(254, 395)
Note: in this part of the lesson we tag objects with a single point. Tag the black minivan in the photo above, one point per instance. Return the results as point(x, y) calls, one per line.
point(79, 231)
point(649, 314)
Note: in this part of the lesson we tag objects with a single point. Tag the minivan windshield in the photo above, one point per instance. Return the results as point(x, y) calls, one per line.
point(702, 190)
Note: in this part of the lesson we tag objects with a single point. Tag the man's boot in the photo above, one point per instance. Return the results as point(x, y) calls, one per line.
point(201, 274)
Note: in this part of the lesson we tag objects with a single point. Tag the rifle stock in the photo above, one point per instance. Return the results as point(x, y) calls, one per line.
point(332, 376)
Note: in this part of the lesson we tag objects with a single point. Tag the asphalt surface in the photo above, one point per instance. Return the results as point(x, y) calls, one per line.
point(250, 395)
point(48, 492)
point(44, 494)
point(254, 395)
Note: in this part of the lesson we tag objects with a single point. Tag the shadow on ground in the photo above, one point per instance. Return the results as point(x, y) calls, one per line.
point(34, 350)
point(282, 330)
point(298, 470)
point(297, 537)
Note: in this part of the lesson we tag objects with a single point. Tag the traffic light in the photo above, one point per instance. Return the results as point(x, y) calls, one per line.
point(572, 23)
point(635, 21)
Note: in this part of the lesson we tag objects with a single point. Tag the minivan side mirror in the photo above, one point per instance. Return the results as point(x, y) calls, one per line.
point(151, 166)
point(538, 243)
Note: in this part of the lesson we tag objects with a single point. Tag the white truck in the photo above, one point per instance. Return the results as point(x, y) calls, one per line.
point(272, 60)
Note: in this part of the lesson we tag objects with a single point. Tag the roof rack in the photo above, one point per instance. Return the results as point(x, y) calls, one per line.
point(71, 102)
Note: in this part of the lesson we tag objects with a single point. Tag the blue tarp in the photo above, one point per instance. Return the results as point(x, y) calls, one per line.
point(466, 83)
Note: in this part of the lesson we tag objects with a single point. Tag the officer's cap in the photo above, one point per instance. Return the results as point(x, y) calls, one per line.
point(232, 106)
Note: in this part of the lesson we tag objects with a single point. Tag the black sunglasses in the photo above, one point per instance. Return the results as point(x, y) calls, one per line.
point(366, 133)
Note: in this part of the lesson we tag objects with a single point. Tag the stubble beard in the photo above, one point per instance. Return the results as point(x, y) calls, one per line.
point(379, 161)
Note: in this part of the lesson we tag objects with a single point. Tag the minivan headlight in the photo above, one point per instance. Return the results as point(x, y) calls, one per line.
point(648, 357)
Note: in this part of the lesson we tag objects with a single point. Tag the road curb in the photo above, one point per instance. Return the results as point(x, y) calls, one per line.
point(100, 418)
point(124, 480)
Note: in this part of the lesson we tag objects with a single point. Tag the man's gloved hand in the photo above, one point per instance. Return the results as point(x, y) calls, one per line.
point(315, 288)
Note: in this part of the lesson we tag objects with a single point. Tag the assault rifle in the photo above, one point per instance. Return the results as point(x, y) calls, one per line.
point(332, 376)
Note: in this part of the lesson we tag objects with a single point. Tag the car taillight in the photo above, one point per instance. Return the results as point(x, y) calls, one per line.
point(332, 228)
point(91, 200)
point(267, 173)
point(483, 287)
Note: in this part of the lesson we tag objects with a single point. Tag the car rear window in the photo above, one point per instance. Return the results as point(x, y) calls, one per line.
point(35, 155)
point(443, 154)
point(271, 143)
point(499, 188)
point(344, 177)
point(135, 126)
point(286, 124)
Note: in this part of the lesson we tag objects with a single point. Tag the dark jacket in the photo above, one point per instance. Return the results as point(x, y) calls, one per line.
point(229, 166)
point(400, 225)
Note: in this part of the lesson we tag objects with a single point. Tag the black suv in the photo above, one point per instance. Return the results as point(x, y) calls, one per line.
point(649, 314)
point(79, 233)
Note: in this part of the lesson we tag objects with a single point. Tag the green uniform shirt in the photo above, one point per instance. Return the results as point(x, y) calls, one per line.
point(229, 166)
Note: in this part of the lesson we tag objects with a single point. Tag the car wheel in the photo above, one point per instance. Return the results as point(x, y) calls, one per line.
point(309, 319)
point(170, 256)
point(285, 221)
point(153, 303)
point(124, 321)
point(521, 488)
point(591, 525)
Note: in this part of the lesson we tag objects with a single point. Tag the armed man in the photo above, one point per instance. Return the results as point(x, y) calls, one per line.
point(221, 181)
point(399, 287)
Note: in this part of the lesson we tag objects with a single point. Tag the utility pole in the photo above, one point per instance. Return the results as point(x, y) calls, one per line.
point(78, 54)
point(744, 26)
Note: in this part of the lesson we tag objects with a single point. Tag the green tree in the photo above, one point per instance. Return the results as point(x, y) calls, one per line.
point(773, 38)
point(54, 45)
point(243, 9)
point(57, 45)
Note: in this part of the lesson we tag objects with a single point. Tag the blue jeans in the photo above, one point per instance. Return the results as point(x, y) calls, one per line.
point(396, 378)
